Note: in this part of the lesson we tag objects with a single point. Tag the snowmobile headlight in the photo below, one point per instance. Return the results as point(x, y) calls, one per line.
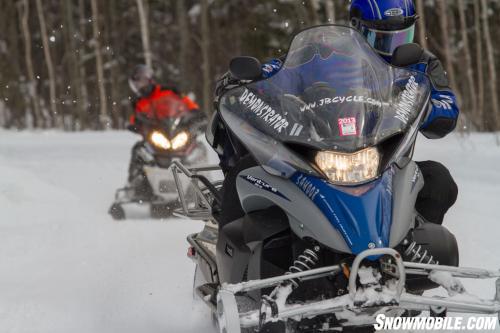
point(180, 140)
point(160, 140)
point(352, 168)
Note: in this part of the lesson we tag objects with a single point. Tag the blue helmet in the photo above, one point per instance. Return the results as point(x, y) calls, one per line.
point(386, 24)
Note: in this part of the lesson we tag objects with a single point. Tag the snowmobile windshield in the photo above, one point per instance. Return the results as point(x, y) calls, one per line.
point(166, 112)
point(334, 92)
point(164, 107)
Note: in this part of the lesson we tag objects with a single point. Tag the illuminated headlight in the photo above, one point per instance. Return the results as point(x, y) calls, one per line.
point(160, 140)
point(349, 168)
point(180, 140)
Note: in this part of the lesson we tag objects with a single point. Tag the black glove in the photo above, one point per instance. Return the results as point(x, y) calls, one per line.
point(435, 71)
point(223, 83)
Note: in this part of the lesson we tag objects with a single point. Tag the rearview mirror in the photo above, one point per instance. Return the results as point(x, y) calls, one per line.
point(407, 54)
point(245, 68)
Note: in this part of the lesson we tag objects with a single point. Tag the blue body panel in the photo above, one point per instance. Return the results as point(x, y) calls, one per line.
point(362, 214)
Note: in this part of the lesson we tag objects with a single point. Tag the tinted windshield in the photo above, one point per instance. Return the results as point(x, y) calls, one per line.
point(168, 112)
point(334, 92)
point(168, 106)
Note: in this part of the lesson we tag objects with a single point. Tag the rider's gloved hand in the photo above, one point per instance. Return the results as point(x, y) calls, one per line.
point(226, 81)
point(442, 117)
point(272, 67)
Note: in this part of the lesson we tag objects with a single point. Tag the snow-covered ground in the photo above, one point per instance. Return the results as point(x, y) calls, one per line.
point(66, 266)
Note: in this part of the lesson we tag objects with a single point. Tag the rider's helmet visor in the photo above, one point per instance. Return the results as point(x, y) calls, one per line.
point(384, 41)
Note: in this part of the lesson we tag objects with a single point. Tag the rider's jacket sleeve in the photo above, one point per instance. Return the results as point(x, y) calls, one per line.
point(191, 105)
point(443, 113)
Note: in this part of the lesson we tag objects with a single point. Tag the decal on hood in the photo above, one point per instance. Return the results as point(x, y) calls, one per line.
point(263, 111)
point(259, 183)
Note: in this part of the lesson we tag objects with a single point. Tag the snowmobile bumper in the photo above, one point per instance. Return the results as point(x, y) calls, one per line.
point(126, 206)
point(363, 302)
point(206, 192)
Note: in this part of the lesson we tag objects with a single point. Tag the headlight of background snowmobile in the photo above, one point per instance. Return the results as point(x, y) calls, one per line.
point(160, 140)
point(349, 168)
point(180, 140)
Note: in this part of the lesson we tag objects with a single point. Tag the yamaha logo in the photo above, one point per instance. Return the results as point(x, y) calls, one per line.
point(394, 12)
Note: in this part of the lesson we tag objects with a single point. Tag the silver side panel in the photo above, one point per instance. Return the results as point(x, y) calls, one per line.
point(306, 220)
point(162, 182)
point(407, 182)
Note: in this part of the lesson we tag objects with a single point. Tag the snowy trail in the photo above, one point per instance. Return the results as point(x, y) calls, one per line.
point(65, 266)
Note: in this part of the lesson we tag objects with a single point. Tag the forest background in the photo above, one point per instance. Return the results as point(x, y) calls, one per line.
point(65, 63)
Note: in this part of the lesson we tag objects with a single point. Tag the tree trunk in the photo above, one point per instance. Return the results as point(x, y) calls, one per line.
point(103, 114)
point(491, 66)
point(23, 7)
point(84, 117)
point(114, 70)
point(143, 19)
point(479, 65)
point(330, 11)
point(54, 115)
point(468, 60)
point(301, 14)
point(183, 27)
point(205, 51)
point(445, 40)
point(422, 30)
point(73, 66)
point(313, 10)
point(17, 102)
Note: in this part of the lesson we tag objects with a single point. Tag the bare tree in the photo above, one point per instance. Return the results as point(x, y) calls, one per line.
point(82, 33)
point(16, 103)
point(313, 11)
point(445, 37)
point(205, 51)
point(467, 54)
point(103, 112)
point(114, 39)
point(182, 20)
point(330, 11)
point(479, 65)
point(422, 30)
point(23, 8)
point(73, 65)
point(54, 115)
point(301, 12)
point(143, 19)
point(491, 64)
